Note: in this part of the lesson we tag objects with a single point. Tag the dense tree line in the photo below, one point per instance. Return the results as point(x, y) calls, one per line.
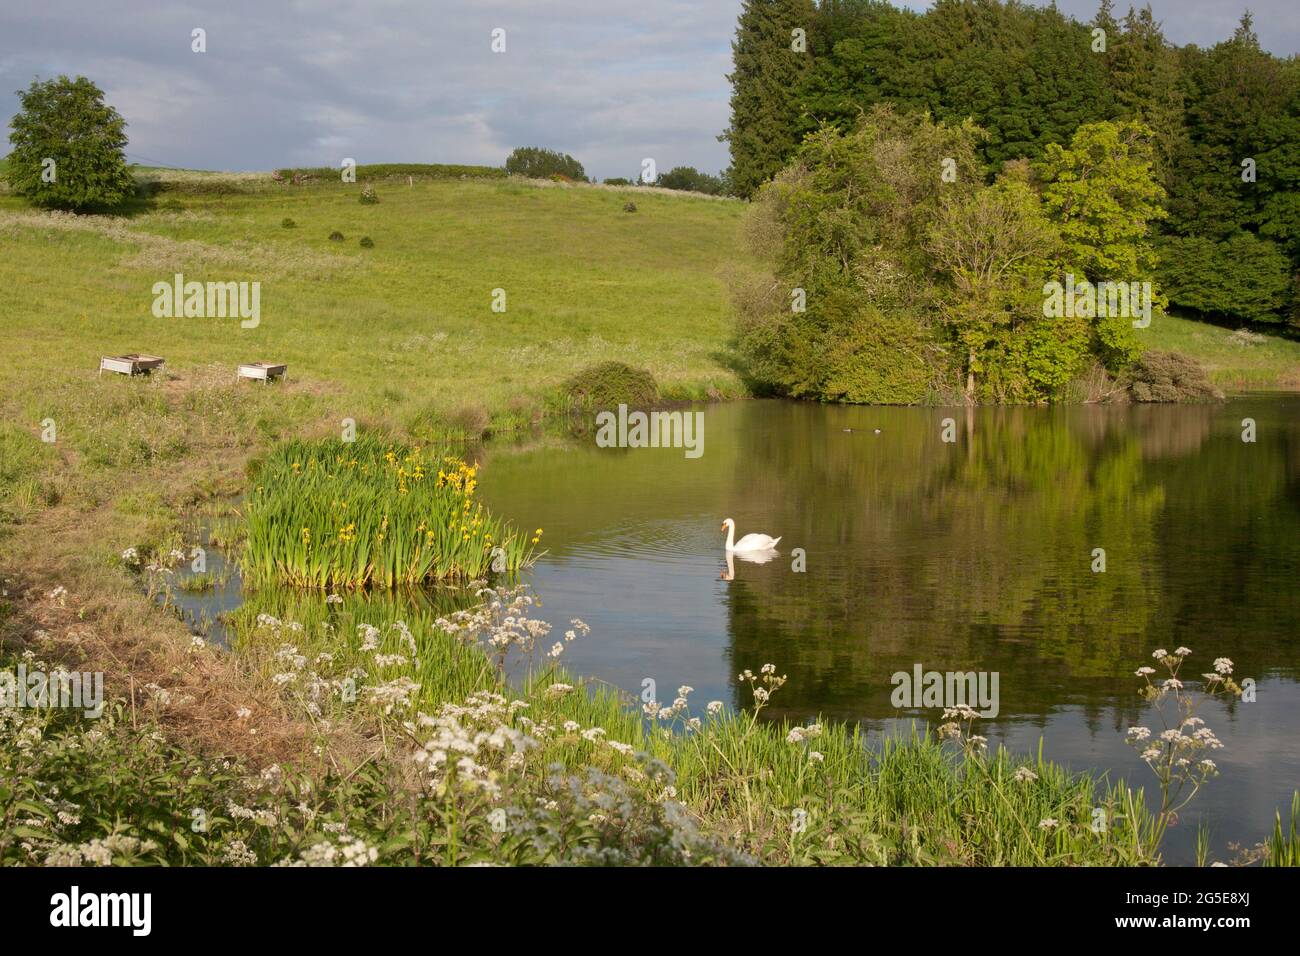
point(897, 274)
point(1223, 121)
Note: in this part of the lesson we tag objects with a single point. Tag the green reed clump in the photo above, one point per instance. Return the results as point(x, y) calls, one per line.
point(197, 583)
point(371, 513)
point(1284, 844)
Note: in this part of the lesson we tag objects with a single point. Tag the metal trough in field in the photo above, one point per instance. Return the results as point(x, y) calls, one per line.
point(131, 364)
point(262, 371)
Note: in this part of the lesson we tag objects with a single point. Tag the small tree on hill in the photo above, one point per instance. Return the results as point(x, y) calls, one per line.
point(67, 146)
point(538, 163)
point(690, 179)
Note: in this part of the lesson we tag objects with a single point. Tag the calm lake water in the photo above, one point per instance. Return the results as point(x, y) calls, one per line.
point(974, 555)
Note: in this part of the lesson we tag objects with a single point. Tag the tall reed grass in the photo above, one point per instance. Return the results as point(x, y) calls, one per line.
point(371, 513)
point(1284, 844)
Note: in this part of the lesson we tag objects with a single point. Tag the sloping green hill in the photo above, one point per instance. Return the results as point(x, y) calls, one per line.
point(407, 325)
point(407, 329)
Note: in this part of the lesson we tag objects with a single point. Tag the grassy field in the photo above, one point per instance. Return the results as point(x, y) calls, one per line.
point(402, 336)
point(405, 328)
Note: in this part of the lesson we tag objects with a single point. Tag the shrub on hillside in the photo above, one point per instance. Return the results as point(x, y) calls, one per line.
point(538, 163)
point(367, 242)
point(609, 384)
point(287, 223)
point(629, 207)
point(368, 195)
point(1169, 377)
point(183, 183)
point(471, 420)
point(391, 170)
point(336, 236)
point(67, 147)
point(690, 179)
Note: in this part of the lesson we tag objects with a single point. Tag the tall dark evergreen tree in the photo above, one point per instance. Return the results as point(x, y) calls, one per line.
point(768, 68)
point(1237, 91)
point(1148, 87)
point(865, 51)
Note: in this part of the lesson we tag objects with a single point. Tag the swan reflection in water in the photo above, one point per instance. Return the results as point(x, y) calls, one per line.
point(753, 557)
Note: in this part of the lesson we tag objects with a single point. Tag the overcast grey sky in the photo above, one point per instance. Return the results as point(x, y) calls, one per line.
point(308, 82)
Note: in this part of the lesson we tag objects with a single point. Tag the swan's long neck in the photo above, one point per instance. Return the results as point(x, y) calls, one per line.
point(731, 535)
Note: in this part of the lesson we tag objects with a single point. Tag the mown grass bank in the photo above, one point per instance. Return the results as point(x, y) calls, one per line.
point(1237, 360)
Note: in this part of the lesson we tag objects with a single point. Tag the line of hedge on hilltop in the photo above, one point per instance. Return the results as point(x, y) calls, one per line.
point(389, 170)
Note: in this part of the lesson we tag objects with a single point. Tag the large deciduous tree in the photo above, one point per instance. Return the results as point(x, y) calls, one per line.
point(1101, 192)
point(67, 147)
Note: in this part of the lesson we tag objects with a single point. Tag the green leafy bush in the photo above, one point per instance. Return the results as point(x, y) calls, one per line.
point(395, 170)
point(690, 179)
point(609, 384)
point(1169, 377)
point(368, 195)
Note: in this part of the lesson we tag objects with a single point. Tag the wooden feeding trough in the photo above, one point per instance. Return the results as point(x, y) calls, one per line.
point(132, 364)
point(261, 371)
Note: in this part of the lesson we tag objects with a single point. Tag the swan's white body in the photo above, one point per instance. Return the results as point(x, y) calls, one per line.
point(750, 542)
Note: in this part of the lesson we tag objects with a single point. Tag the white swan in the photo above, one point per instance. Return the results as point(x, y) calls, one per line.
point(750, 542)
